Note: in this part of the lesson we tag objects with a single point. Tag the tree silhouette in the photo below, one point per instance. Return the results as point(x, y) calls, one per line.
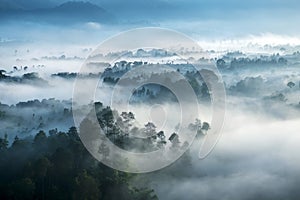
point(59, 167)
point(291, 84)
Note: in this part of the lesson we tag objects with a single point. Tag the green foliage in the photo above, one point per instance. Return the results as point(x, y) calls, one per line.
point(22, 189)
point(3, 143)
point(59, 167)
point(291, 84)
point(86, 187)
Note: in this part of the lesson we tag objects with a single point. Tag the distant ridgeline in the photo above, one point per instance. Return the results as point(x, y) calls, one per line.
point(73, 75)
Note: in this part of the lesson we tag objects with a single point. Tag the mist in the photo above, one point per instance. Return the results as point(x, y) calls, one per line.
point(51, 68)
point(256, 157)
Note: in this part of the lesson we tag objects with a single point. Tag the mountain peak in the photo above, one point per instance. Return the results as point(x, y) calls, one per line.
point(68, 12)
point(79, 5)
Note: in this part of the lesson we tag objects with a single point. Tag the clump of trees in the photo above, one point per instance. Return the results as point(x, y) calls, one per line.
point(110, 80)
point(57, 166)
point(157, 92)
point(242, 62)
point(249, 86)
point(291, 84)
point(27, 78)
point(73, 75)
point(121, 130)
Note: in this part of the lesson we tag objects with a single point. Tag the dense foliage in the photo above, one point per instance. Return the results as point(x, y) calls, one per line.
point(57, 166)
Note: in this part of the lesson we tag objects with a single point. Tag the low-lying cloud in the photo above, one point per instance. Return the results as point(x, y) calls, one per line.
point(256, 158)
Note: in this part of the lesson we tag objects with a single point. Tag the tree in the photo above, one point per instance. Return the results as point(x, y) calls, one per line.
point(3, 142)
point(150, 129)
point(40, 142)
point(174, 139)
point(195, 126)
point(107, 118)
point(88, 131)
point(161, 135)
point(2, 72)
point(205, 127)
point(72, 133)
point(221, 63)
point(52, 132)
point(41, 166)
point(40, 171)
point(103, 150)
point(86, 187)
point(162, 139)
point(23, 189)
point(127, 120)
point(144, 194)
point(40, 138)
point(282, 61)
point(291, 84)
point(62, 160)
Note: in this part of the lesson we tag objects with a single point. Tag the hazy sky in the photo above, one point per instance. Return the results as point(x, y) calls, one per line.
point(213, 18)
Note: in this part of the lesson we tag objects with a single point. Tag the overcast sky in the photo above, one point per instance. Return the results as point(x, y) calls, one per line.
point(226, 18)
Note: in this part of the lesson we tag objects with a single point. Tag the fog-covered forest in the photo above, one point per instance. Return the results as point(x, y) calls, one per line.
point(42, 156)
point(152, 99)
